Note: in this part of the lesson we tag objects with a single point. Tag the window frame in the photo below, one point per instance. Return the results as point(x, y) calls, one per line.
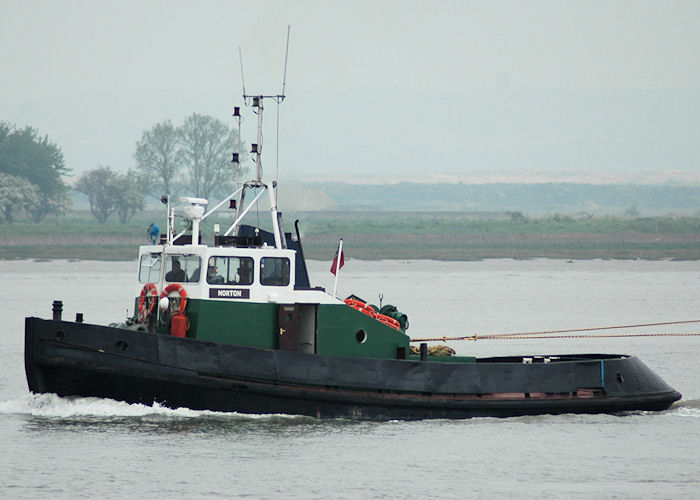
point(158, 261)
point(191, 261)
point(227, 267)
point(282, 283)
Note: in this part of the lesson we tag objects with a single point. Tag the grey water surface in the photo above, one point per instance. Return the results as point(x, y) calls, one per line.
point(54, 447)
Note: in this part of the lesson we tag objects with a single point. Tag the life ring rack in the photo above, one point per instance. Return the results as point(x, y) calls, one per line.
point(372, 313)
point(148, 292)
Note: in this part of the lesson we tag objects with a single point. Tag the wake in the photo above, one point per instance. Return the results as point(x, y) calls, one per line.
point(686, 408)
point(53, 406)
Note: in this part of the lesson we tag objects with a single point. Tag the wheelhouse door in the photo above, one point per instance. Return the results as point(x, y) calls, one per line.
point(288, 327)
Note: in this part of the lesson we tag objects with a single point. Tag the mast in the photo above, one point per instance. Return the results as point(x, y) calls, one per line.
point(256, 149)
point(256, 102)
point(196, 211)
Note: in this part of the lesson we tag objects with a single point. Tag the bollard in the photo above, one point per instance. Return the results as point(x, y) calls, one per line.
point(57, 310)
point(423, 351)
point(78, 317)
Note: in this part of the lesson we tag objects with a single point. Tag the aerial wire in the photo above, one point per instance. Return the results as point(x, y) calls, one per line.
point(279, 101)
point(240, 56)
point(286, 54)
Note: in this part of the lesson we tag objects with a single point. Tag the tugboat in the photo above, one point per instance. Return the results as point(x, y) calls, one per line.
point(235, 326)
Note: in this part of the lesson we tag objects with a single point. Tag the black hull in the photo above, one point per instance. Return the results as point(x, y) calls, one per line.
point(75, 359)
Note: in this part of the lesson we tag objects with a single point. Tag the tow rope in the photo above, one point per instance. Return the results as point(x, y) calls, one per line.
point(547, 334)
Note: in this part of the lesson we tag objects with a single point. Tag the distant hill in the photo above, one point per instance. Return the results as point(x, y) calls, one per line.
point(501, 197)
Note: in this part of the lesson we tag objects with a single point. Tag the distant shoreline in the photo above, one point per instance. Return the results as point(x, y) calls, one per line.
point(397, 235)
point(448, 254)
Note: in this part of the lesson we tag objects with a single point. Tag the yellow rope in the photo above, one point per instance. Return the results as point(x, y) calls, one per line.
point(546, 333)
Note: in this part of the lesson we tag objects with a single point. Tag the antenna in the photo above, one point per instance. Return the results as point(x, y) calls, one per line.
point(256, 101)
point(281, 98)
point(240, 55)
point(286, 53)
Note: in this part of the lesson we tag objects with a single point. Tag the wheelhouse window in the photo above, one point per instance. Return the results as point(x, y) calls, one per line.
point(182, 268)
point(150, 268)
point(230, 271)
point(274, 271)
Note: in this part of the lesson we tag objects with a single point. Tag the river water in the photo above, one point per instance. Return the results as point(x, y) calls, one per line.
point(92, 448)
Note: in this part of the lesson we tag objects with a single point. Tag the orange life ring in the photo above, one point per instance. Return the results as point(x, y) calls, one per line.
point(389, 321)
point(369, 312)
point(176, 287)
point(150, 292)
point(361, 306)
point(355, 303)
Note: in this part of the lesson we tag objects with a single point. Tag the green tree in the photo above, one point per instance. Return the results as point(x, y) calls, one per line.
point(16, 193)
point(56, 203)
point(158, 159)
point(24, 153)
point(129, 195)
point(206, 144)
point(99, 186)
point(194, 157)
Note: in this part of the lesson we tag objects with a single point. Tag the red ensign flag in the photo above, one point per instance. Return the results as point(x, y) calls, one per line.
point(337, 263)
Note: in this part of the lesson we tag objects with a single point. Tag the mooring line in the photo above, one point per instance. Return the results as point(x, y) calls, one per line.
point(604, 336)
point(547, 333)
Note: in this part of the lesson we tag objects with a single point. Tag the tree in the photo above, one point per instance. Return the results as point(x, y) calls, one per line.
point(206, 146)
point(56, 203)
point(16, 193)
point(99, 186)
point(129, 195)
point(194, 157)
point(25, 154)
point(158, 158)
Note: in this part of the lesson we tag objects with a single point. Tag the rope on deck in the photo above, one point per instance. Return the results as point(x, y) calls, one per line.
point(547, 334)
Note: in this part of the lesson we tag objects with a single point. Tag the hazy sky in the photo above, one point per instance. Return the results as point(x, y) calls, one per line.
point(382, 88)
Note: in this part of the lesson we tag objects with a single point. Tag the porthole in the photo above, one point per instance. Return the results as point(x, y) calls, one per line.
point(361, 336)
